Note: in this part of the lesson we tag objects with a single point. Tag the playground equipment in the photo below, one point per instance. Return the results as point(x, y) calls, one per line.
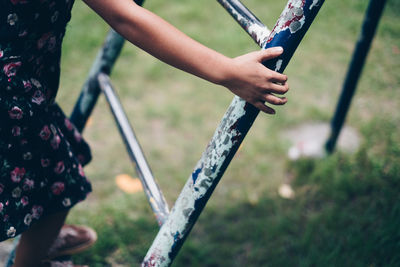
point(312, 143)
point(371, 20)
point(288, 32)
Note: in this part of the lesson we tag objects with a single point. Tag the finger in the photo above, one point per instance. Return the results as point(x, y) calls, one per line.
point(275, 100)
point(277, 88)
point(278, 77)
point(261, 106)
point(270, 53)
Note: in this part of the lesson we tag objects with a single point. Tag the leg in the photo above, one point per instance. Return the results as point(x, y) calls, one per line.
point(35, 242)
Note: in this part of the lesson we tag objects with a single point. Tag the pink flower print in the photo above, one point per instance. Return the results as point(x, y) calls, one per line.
point(10, 69)
point(68, 124)
point(81, 172)
point(42, 41)
point(24, 201)
point(1, 53)
point(22, 33)
point(45, 133)
point(15, 113)
point(1, 188)
point(45, 162)
point(55, 142)
point(36, 83)
point(17, 174)
point(1, 207)
point(16, 130)
point(77, 136)
point(19, 2)
point(81, 158)
point(60, 167)
point(38, 97)
point(37, 211)
point(28, 184)
point(27, 85)
point(57, 188)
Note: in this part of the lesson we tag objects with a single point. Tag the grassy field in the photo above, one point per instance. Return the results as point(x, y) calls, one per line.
point(346, 210)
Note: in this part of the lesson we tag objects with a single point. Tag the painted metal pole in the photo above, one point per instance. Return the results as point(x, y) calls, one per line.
point(288, 32)
point(362, 47)
point(103, 63)
point(154, 195)
point(247, 20)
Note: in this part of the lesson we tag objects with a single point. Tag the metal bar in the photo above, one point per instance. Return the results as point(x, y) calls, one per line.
point(249, 22)
point(371, 20)
point(90, 92)
point(154, 195)
point(103, 63)
point(288, 32)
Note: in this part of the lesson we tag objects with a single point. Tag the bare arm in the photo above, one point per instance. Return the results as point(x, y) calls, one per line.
point(245, 76)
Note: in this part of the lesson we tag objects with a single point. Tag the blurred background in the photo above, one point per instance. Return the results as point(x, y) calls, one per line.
point(344, 209)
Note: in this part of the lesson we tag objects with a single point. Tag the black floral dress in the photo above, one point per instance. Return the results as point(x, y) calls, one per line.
point(41, 152)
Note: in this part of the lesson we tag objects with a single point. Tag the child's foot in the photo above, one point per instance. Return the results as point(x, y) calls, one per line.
point(72, 239)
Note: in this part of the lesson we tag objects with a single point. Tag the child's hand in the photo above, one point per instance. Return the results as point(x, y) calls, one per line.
point(245, 76)
point(255, 83)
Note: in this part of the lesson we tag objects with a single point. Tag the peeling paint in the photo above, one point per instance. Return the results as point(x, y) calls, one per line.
point(292, 18)
point(247, 20)
point(238, 119)
point(278, 64)
point(314, 4)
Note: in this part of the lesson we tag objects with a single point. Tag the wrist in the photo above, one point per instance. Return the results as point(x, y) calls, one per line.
point(226, 71)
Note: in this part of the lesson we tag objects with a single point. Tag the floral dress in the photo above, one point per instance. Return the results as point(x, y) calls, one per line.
point(41, 152)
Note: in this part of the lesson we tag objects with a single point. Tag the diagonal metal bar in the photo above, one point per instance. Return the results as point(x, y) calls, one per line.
point(103, 63)
point(249, 22)
point(288, 32)
point(370, 24)
point(87, 100)
point(154, 195)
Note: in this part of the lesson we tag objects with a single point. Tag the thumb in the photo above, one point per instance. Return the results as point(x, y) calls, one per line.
point(270, 53)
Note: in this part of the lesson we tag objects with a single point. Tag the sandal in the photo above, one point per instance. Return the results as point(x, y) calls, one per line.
point(71, 240)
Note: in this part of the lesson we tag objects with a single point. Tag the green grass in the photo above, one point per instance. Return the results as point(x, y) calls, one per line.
point(346, 211)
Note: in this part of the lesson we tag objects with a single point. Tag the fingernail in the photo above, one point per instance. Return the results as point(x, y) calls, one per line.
point(278, 49)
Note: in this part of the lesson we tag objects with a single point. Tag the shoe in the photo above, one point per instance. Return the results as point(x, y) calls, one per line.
point(72, 239)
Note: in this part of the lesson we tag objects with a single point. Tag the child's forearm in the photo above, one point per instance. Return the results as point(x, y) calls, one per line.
point(162, 40)
point(245, 76)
